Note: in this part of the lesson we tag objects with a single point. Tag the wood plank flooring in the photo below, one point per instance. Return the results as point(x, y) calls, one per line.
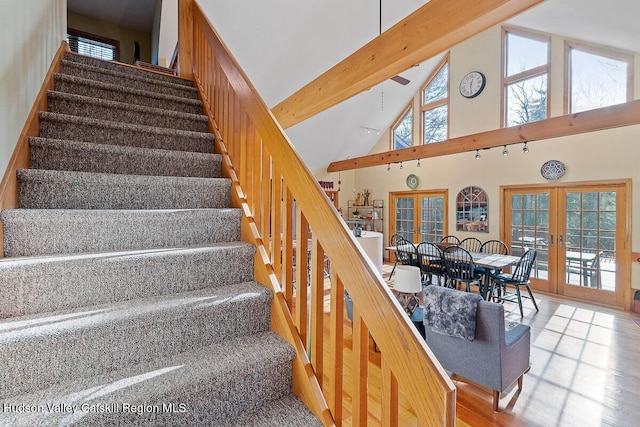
point(585, 371)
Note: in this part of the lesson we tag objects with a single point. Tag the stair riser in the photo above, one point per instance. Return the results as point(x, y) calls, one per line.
point(206, 387)
point(113, 77)
point(79, 190)
point(103, 158)
point(60, 350)
point(149, 99)
point(75, 128)
point(126, 69)
point(57, 284)
point(59, 102)
point(45, 232)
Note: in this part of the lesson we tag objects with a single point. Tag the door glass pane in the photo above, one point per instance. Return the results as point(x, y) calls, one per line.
point(404, 217)
point(590, 251)
point(432, 216)
point(530, 229)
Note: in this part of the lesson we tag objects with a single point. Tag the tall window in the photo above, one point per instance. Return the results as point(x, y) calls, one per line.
point(435, 105)
point(526, 73)
point(93, 45)
point(596, 78)
point(402, 130)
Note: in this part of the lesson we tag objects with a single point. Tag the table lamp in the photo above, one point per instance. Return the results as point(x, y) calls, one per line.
point(407, 283)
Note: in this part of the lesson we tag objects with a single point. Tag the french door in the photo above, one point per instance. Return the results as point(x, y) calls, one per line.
point(419, 216)
point(581, 234)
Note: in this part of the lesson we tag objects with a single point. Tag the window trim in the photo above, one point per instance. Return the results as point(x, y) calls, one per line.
point(98, 38)
point(438, 103)
point(525, 75)
point(612, 53)
point(397, 121)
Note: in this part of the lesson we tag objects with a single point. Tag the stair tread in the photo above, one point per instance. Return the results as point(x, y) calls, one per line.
point(123, 105)
point(288, 411)
point(117, 77)
point(63, 231)
point(127, 69)
point(58, 154)
point(37, 284)
point(63, 321)
point(48, 115)
point(124, 149)
point(134, 96)
point(204, 371)
point(42, 189)
point(102, 109)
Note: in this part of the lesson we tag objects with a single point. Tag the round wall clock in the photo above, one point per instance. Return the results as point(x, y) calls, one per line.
point(412, 181)
point(472, 84)
point(552, 170)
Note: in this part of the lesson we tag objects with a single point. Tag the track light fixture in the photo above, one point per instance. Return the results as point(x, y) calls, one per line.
point(418, 162)
point(401, 165)
point(477, 155)
point(525, 149)
point(505, 152)
point(388, 167)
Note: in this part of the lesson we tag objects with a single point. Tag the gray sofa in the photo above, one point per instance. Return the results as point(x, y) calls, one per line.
point(495, 358)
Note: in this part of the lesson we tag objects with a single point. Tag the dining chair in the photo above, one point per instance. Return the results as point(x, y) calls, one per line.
point(460, 268)
point(519, 277)
point(406, 253)
point(431, 263)
point(394, 242)
point(494, 247)
point(471, 244)
point(450, 239)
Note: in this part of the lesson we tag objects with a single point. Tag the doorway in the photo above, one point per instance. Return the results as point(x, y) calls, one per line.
point(581, 233)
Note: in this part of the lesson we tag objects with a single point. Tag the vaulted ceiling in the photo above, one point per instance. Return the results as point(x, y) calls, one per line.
point(284, 44)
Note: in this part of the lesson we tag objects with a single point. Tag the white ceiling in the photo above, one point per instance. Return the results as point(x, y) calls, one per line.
point(284, 44)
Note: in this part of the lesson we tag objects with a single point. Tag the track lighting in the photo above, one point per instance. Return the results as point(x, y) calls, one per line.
point(525, 149)
point(505, 152)
point(401, 165)
point(418, 162)
point(477, 155)
point(388, 167)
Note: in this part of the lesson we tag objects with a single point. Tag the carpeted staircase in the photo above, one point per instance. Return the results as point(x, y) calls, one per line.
point(127, 295)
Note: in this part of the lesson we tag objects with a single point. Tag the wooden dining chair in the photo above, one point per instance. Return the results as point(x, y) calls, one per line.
point(519, 278)
point(450, 239)
point(406, 253)
point(431, 263)
point(494, 247)
point(460, 268)
point(471, 244)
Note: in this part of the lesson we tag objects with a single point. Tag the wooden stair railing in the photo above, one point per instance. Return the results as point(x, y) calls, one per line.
point(298, 233)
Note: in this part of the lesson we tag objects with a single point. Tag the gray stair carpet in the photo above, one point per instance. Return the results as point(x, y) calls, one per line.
point(128, 296)
point(76, 128)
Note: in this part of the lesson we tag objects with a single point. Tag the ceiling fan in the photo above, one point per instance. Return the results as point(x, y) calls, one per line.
point(397, 78)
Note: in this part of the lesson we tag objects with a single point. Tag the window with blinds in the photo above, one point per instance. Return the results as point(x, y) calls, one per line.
point(93, 45)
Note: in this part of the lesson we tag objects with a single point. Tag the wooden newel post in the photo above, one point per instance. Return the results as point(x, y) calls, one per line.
point(185, 38)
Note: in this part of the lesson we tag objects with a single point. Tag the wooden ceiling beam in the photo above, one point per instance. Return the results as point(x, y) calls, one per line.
point(571, 124)
point(430, 30)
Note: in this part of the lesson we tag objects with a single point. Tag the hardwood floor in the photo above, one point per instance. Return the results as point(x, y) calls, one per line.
point(585, 371)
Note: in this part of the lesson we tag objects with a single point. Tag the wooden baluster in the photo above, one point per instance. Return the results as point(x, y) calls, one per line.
point(333, 390)
point(389, 394)
point(360, 369)
point(287, 237)
point(302, 275)
point(317, 307)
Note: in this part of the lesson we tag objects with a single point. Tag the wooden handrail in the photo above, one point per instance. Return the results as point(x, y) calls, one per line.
point(278, 194)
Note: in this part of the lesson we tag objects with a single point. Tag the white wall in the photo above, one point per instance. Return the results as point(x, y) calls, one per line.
point(602, 155)
point(168, 32)
point(30, 34)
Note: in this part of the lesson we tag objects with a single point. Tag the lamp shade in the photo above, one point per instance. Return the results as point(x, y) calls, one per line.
point(407, 279)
